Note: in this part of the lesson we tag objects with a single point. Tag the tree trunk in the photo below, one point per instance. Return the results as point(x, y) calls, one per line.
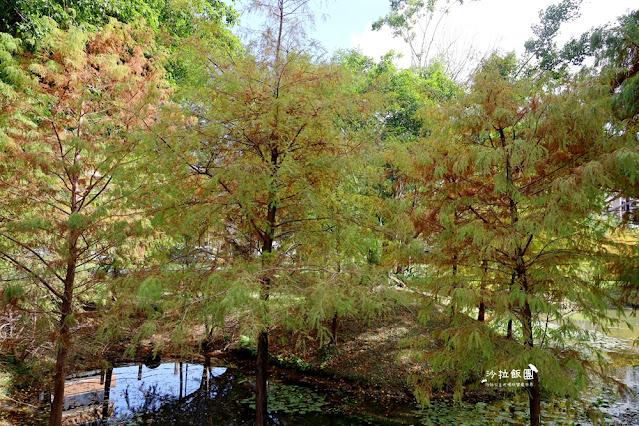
point(278, 46)
point(261, 367)
point(60, 375)
point(206, 376)
point(482, 311)
point(482, 306)
point(519, 272)
point(509, 331)
point(534, 399)
point(66, 307)
point(334, 330)
point(181, 380)
point(452, 306)
point(64, 345)
point(534, 395)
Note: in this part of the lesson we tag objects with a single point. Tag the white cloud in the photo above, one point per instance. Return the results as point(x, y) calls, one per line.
point(489, 24)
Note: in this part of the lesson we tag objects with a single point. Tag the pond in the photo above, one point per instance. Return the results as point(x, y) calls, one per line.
point(177, 393)
point(191, 394)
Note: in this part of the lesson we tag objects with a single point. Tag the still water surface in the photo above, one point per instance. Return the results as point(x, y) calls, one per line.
point(179, 394)
point(193, 394)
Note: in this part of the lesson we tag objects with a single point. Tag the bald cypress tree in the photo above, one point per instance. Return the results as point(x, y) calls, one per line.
point(513, 185)
point(70, 171)
point(263, 159)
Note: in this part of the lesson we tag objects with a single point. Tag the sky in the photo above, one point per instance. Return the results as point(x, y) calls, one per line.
point(486, 24)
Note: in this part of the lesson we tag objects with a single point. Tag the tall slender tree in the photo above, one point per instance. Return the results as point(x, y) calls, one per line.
point(513, 187)
point(265, 155)
point(73, 169)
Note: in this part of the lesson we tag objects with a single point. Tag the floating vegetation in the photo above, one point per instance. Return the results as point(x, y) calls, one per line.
point(290, 399)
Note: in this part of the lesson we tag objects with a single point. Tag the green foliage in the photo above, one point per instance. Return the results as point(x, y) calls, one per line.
point(78, 222)
point(267, 152)
point(616, 50)
point(284, 192)
point(409, 93)
point(403, 13)
point(34, 19)
point(295, 363)
point(12, 293)
point(544, 45)
point(10, 71)
point(150, 291)
point(14, 80)
point(73, 178)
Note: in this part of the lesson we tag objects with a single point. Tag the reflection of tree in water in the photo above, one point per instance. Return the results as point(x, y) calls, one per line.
point(152, 397)
point(214, 399)
point(127, 399)
point(215, 402)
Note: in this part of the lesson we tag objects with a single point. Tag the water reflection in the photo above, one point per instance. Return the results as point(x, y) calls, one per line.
point(193, 394)
point(178, 394)
point(121, 393)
